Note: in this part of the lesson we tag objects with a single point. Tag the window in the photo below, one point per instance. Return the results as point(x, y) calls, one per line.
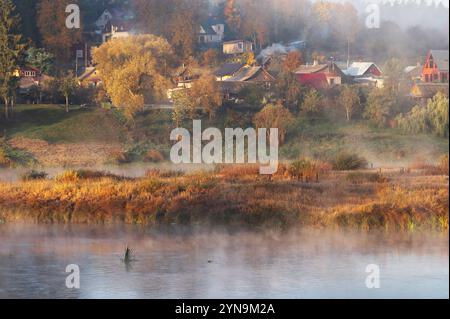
point(431, 64)
point(444, 77)
point(241, 46)
point(427, 78)
point(435, 77)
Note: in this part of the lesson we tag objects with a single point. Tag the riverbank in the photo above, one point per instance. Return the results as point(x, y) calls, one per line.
point(365, 200)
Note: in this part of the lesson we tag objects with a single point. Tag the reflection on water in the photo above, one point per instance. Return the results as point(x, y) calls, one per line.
point(187, 264)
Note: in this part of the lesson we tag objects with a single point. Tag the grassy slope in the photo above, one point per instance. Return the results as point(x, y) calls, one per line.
point(320, 139)
point(384, 147)
point(52, 124)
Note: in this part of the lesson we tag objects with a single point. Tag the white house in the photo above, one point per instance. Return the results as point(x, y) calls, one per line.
point(211, 31)
point(237, 47)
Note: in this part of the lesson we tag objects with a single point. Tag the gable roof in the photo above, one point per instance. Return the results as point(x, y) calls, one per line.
point(250, 73)
point(310, 69)
point(237, 41)
point(208, 25)
point(440, 58)
point(229, 69)
point(359, 68)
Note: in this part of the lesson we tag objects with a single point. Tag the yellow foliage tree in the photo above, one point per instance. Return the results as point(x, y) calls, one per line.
point(135, 70)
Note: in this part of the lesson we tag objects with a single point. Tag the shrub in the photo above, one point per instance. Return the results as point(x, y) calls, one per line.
point(303, 169)
point(68, 177)
point(444, 165)
point(361, 178)
point(348, 162)
point(157, 173)
point(33, 175)
point(121, 157)
point(83, 174)
point(154, 156)
point(4, 158)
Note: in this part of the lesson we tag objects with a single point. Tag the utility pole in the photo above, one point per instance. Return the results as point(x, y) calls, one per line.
point(348, 53)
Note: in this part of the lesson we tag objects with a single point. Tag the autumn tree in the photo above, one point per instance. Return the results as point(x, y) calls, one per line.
point(293, 60)
point(274, 116)
point(206, 93)
point(11, 49)
point(135, 70)
point(349, 100)
point(232, 16)
point(56, 37)
point(289, 89)
point(176, 20)
point(211, 57)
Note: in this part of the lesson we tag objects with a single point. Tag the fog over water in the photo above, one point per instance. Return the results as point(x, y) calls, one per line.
point(182, 263)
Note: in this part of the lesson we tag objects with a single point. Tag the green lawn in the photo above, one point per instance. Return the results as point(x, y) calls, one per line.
point(52, 124)
point(325, 139)
point(322, 139)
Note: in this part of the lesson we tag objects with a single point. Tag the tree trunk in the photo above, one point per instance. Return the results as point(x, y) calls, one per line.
point(6, 108)
point(348, 115)
point(67, 104)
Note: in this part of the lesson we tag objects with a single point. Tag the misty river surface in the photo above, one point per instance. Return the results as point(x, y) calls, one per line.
point(182, 263)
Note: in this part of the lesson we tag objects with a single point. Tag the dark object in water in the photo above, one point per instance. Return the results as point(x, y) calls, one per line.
point(129, 256)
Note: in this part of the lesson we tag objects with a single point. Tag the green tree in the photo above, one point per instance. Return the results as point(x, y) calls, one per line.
point(41, 59)
point(67, 87)
point(393, 71)
point(11, 49)
point(312, 103)
point(182, 107)
point(349, 100)
point(432, 119)
point(274, 116)
point(381, 107)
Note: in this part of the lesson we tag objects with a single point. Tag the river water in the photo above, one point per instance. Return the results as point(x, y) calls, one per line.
point(187, 263)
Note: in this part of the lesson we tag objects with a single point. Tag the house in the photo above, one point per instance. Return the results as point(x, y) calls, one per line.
point(27, 72)
point(211, 31)
point(365, 73)
point(320, 76)
point(413, 73)
point(246, 76)
point(425, 91)
point(89, 77)
point(110, 14)
point(116, 29)
point(31, 80)
point(184, 78)
point(228, 70)
point(237, 47)
point(435, 69)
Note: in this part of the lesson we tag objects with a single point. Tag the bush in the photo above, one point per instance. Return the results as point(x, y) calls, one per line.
point(33, 175)
point(156, 173)
point(349, 162)
point(444, 165)
point(154, 156)
point(361, 178)
point(82, 174)
point(5, 161)
point(68, 177)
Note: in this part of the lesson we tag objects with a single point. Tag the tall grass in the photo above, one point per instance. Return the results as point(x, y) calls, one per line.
point(226, 197)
